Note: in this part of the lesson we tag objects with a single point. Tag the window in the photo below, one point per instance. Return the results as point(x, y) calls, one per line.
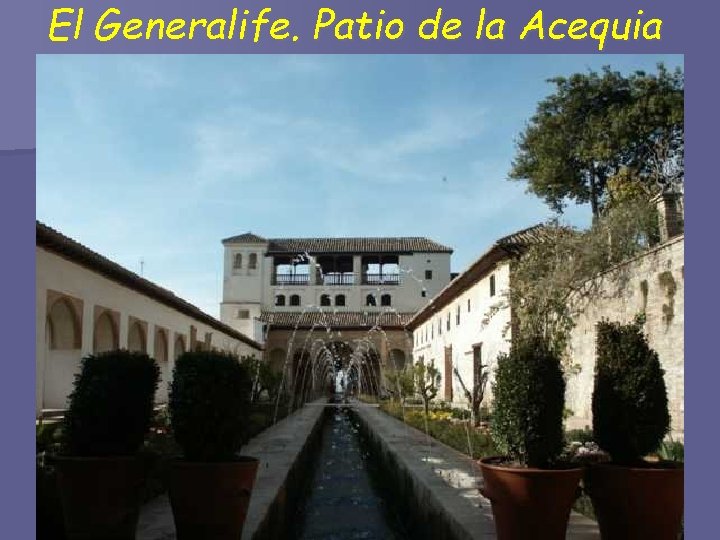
point(340, 300)
point(468, 305)
point(492, 285)
point(448, 322)
point(423, 293)
point(385, 300)
point(295, 300)
point(325, 300)
point(243, 314)
point(428, 274)
point(370, 300)
point(238, 261)
point(432, 331)
point(439, 326)
point(280, 300)
point(457, 315)
point(252, 261)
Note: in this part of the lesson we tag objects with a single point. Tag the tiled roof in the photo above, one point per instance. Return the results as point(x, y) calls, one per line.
point(504, 248)
point(51, 240)
point(247, 238)
point(340, 319)
point(411, 244)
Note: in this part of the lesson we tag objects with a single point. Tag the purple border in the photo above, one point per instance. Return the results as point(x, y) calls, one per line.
point(687, 29)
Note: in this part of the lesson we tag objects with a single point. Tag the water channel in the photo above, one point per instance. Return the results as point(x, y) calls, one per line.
point(345, 499)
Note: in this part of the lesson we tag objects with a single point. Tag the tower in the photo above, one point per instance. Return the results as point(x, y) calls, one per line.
point(243, 283)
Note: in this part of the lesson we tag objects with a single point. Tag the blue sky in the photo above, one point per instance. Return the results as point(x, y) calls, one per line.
point(160, 157)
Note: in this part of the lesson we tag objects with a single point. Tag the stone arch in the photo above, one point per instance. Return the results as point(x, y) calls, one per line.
point(63, 322)
point(160, 354)
point(276, 359)
point(105, 333)
point(295, 300)
point(137, 338)
point(179, 347)
point(397, 359)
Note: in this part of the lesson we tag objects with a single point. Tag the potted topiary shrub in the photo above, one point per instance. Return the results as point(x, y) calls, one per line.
point(633, 498)
point(210, 487)
point(100, 472)
point(530, 490)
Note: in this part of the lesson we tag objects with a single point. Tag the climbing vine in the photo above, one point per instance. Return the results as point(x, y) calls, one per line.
point(556, 277)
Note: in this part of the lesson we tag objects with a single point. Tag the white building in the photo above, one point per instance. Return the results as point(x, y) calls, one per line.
point(364, 276)
point(469, 323)
point(324, 306)
point(87, 304)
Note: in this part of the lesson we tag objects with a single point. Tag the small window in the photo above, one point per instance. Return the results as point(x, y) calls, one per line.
point(385, 300)
point(238, 261)
point(492, 285)
point(370, 300)
point(340, 300)
point(325, 300)
point(423, 293)
point(295, 300)
point(457, 315)
point(468, 305)
point(439, 326)
point(252, 261)
point(432, 331)
point(447, 325)
point(280, 300)
point(428, 274)
point(243, 314)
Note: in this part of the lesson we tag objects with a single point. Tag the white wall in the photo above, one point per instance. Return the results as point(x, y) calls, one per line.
point(494, 336)
point(55, 370)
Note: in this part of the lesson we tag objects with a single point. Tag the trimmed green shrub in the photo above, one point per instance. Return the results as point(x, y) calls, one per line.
point(629, 402)
point(111, 405)
point(529, 393)
point(209, 405)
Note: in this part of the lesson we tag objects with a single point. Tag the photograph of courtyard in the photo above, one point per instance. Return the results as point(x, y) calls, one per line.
point(378, 297)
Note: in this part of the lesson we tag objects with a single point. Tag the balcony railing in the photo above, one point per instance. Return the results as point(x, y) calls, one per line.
point(381, 279)
point(338, 279)
point(291, 279)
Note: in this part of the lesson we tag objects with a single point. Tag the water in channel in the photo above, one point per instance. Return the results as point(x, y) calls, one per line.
point(345, 498)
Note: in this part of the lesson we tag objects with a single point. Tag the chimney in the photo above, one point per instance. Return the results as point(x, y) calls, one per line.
point(671, 215)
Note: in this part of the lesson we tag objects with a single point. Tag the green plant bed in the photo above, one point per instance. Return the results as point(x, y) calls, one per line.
point(441, 428)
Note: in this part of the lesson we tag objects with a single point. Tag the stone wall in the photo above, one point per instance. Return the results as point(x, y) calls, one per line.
point(653, 284)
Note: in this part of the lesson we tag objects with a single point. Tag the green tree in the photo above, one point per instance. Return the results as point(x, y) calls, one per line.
point(596, 123)
point(401, 384)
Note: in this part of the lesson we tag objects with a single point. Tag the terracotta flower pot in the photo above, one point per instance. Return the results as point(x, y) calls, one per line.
point(100, 496)
point(529, 503)
point(638, 503)
point(210, 500)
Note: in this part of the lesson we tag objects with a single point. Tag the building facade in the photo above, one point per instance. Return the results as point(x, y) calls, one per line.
point(469, 322)
point(319, 301)
point(464, 328)
point(87, 304)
